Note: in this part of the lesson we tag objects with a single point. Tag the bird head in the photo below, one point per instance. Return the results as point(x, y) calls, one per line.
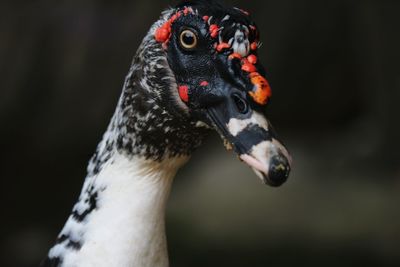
point(212, 53)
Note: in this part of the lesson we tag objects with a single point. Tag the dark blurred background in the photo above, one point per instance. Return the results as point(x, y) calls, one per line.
point(334, 70)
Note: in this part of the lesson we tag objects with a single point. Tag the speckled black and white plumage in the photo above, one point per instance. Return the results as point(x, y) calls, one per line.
point(147, 121)
point(145, 124)
point(153, 132)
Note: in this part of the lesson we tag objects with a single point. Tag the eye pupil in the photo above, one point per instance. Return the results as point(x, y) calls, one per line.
point(188, 39)
point(241, 104)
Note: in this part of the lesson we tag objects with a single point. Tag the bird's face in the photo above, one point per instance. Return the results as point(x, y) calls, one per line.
point(212, 52)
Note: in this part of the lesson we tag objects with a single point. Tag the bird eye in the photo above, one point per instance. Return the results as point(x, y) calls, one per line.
point(241, 104)
point(188, 39)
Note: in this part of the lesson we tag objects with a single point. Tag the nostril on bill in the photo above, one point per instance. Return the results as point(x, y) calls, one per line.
point(279, 169)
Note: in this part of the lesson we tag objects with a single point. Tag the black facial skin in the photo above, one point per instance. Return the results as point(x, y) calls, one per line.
point(226, 95)
point(204, 63)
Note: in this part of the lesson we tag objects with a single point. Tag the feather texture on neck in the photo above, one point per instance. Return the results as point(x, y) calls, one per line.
point(127, 226)
point(119, 217)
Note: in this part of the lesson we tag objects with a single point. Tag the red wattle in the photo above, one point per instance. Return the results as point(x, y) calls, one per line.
point(183, 93)
point(252, 59)
point(222, 46)
point(248, 67)
point(162, 34)
point(214, 30)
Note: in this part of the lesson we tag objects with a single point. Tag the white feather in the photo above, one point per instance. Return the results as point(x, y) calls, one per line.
point(127, 228)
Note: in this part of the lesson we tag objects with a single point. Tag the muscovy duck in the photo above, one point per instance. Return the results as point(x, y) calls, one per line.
point(196, 71)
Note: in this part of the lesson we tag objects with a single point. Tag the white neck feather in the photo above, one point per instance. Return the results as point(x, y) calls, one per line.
point(127, 228)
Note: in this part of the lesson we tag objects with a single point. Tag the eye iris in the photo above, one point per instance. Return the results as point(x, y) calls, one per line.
point(188, 39)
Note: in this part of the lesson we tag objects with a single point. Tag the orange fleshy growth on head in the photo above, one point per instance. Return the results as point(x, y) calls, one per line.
point(184, 93)
point(204, 83)
point(206, 18)
point(248, 67)
point(262, 91)
point(214, 30)
point(235, 55)
point(174, 17)
point(222, 46)
point(254, 46)
point(162, 34)
point(252, 59)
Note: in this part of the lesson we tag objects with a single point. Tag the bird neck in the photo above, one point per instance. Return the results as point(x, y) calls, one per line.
point(119, 218)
